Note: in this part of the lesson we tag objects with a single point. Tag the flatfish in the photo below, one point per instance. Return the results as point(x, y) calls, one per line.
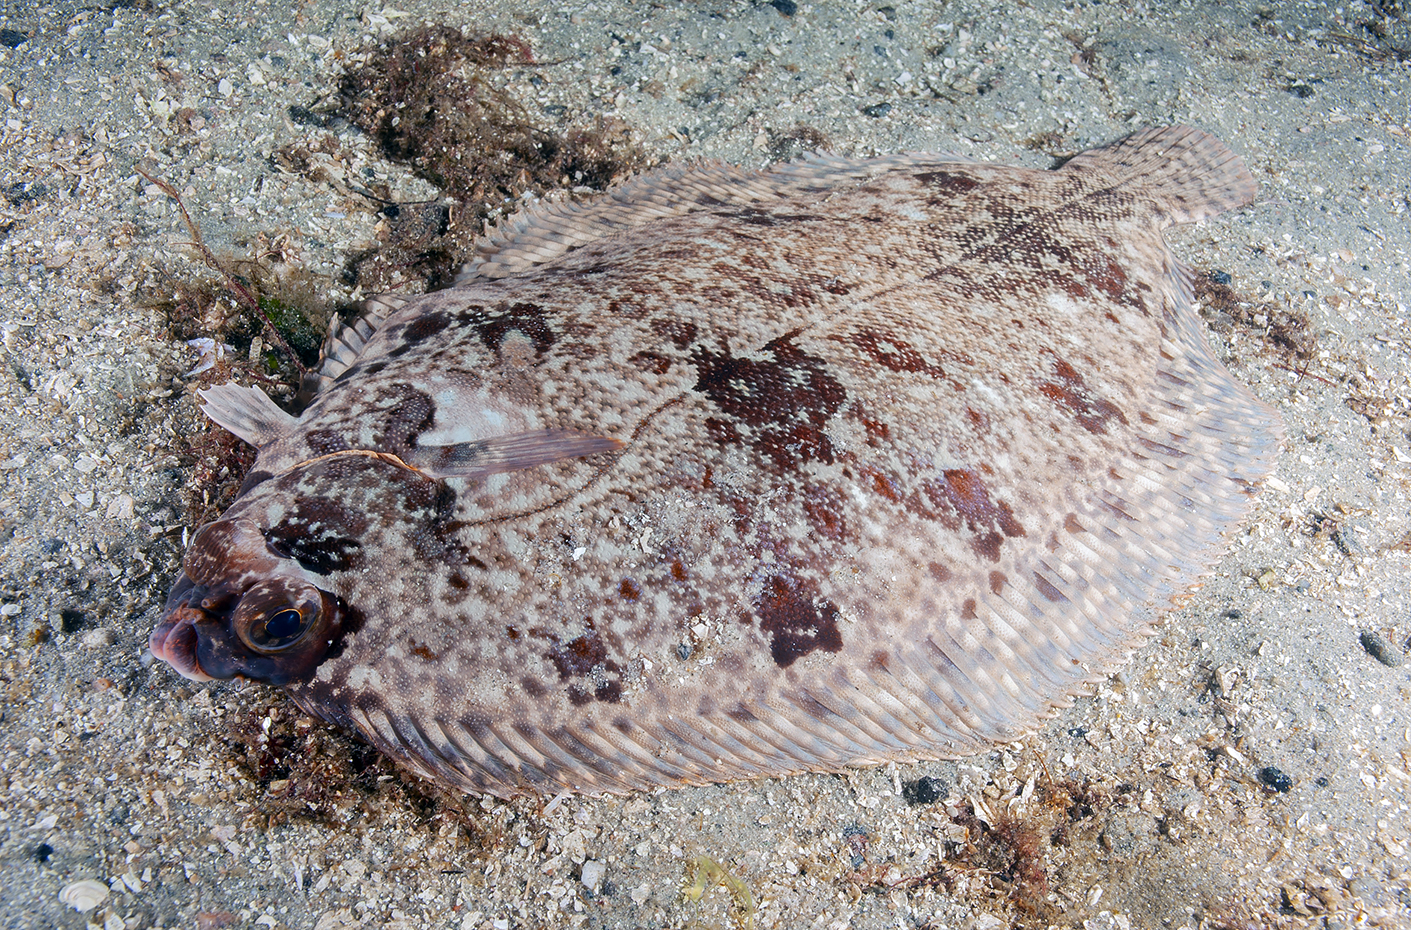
point(732, 473)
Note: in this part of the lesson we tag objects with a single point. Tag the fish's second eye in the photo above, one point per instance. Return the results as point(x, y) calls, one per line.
point(278, 629)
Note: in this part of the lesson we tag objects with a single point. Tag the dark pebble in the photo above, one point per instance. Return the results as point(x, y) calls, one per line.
point(877, 110)
point(12, 38)
point(925, 790)
point(306, 117)
point(42, 852)
point(1275, 780)
point(70, 620)
point(1381, 650)
point(1220, 277)
point(787, 7)
point(24, 191)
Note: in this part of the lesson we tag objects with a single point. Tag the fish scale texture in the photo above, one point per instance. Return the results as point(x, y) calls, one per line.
point(754, 473)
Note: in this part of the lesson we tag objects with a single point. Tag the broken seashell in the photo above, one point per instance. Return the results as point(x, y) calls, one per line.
point(83, 896)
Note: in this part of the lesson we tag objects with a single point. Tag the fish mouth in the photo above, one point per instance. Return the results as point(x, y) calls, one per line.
point(175, 639)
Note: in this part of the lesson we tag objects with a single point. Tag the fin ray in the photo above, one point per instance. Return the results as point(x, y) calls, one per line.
point(247, 412)
point(499, 454)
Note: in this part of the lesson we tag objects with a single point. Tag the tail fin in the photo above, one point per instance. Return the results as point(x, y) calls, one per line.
point(1190, 172)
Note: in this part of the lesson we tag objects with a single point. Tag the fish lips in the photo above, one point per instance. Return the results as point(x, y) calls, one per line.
point(196, 635)
point(175, 638)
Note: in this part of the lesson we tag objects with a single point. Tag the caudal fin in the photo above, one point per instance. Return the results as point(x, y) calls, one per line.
point(1189, 172)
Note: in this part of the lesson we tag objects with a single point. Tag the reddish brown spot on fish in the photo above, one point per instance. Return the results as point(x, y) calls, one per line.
point(939, 571)
point(779, 404)
point(962, 498)
point(997, 581)
point(580, 656)
point(1072, 394)
point(629, 590)
point(947, 183)
point(978, 419)
point(1106, 275)
point(796, 625)
point(892, 352)
point(654, 362)
point(880, 483)
point(1047, 588)
point(681, 333)
point(824, 509)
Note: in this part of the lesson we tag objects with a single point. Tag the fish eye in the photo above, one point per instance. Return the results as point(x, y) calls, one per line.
point(277, 629)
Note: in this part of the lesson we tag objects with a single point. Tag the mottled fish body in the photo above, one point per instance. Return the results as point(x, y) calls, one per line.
point(729, 474)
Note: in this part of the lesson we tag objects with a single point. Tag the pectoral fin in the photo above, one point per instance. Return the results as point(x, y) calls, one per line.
point(499, 454)
point(247, 412)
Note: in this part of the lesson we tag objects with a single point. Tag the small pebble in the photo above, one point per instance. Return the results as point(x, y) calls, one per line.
point(1381, 650)
point(592, 876)
point(1275, 780)
point(96, 639)
point(925, 790)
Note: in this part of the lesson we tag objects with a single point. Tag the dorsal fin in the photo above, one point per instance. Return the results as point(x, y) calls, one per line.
point(499, 454)
point(545, 231)
point(247, 412)
point(344, 342)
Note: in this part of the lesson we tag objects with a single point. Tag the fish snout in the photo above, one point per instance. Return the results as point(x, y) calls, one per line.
point(175, 639)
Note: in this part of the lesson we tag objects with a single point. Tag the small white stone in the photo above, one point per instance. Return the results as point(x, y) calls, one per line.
point(593, 872)
point(97, 639)
point(120, 507)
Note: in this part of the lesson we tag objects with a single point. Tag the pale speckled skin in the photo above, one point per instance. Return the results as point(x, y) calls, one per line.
point(911, 449)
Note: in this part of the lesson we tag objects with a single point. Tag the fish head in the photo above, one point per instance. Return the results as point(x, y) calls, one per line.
point(240, 609)
point(266, 592)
